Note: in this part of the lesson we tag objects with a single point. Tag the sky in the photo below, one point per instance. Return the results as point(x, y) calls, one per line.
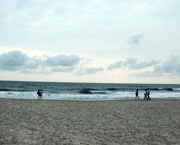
point(98, 41)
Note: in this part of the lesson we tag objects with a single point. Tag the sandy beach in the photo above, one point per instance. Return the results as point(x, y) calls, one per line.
point(153, 122)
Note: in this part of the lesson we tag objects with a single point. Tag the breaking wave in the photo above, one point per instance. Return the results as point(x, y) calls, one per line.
point(87, 91)
point(165, 89)
point(15, 90)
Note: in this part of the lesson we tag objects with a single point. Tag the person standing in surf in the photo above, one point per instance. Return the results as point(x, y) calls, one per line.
point(136, 94)
point(39, 94)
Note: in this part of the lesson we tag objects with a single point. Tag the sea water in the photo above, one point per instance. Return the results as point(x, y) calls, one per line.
point(87, 91)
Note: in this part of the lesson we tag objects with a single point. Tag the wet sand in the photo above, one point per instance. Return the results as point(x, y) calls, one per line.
point(90, 122)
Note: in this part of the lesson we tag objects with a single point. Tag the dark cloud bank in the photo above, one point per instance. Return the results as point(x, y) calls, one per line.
point(18, 61)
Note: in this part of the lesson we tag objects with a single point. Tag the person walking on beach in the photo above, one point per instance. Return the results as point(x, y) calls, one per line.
point(148, 93)
point(145, 94)
point(136, 94)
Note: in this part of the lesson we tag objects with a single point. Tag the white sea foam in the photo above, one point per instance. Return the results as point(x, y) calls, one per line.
point(176, 89)
point(114, 95)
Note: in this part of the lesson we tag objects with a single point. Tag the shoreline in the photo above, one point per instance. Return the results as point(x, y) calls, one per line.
point(130, 99)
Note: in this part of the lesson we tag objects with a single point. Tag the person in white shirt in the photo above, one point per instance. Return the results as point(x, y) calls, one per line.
point(41, 92)
point(145, 95)
point(148, 93)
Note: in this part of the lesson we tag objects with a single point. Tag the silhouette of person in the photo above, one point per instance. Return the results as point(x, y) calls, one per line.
point(39, 94)
point(136, 94)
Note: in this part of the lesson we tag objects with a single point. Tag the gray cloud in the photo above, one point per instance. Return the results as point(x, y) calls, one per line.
point(135, 64)
point(62, 60)
point(169, 67)
point(132, 63)
point(117, 64)
point(136, 39)
point(89, 70)
point(33, 63)
point(18, 61)
point(13, 60)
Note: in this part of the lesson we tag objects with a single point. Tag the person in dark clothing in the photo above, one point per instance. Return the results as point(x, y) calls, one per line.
point(136, 94)
point(39, 94)
point(148, 93)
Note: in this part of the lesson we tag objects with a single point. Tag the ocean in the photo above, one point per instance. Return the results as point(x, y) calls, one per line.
point(87, 91)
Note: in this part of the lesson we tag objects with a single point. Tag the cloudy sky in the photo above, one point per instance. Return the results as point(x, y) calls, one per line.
point(104, 41)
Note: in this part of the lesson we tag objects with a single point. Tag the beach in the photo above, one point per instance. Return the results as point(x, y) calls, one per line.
point(154, 122)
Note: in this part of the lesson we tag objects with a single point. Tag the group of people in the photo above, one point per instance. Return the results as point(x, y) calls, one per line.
point(40, 92)
point(146, 94)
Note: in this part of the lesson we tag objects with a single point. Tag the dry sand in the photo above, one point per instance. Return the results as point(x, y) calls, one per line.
point(89, 122)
